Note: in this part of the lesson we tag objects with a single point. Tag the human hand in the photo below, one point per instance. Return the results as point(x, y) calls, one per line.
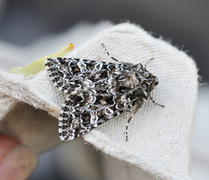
point(16, 160)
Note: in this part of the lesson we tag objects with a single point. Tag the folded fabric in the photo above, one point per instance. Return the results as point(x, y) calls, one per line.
point(159, 138)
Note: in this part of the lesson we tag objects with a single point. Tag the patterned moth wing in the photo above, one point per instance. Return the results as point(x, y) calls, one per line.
point(96, 91)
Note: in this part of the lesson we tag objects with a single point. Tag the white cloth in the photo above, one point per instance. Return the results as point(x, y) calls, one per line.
point(159, 138)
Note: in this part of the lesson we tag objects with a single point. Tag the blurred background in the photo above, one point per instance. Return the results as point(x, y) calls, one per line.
point(32, 29)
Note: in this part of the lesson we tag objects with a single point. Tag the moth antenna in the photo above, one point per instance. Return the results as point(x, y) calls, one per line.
point(145, 66)
point(151, 98)
point(109, 53)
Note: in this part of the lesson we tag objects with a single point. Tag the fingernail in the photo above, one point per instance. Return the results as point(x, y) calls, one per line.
point(16, 161)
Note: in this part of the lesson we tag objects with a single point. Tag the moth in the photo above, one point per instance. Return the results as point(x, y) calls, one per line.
point(97, 91)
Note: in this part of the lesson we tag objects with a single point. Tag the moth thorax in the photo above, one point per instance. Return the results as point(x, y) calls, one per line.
point(131, 80)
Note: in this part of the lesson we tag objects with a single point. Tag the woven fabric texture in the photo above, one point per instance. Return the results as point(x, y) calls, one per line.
point(159, 138)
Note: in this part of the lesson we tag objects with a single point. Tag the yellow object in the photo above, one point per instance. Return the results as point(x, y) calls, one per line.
point(38, 65)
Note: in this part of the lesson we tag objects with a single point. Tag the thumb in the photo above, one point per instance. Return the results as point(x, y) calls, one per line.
point(16, 161)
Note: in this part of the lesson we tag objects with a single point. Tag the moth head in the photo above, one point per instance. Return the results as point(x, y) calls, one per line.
point(151, 80)
point(147, 77)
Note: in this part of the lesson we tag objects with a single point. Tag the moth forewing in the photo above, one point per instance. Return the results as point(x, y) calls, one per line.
point(97, 91)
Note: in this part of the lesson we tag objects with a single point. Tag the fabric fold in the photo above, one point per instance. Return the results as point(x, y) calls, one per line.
point(159, 138)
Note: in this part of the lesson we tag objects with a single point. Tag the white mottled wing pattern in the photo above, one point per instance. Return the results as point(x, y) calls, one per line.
point(95, 92)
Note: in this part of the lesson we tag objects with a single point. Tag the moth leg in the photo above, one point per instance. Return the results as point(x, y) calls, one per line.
point(109, 54)
point(129, 120)
point(151, 98)
point(127, 124)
